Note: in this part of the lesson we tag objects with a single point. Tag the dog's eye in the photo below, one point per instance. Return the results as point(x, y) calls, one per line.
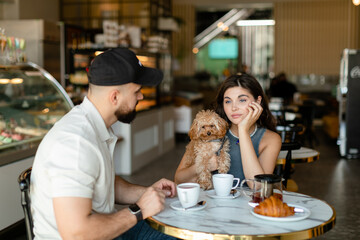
point(212, 126)
point(203, 127)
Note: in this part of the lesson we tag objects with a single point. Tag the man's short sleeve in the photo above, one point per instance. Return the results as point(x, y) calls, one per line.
point(73, 168)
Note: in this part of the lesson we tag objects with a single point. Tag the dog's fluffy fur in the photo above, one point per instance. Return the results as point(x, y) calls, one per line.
point(206, 134)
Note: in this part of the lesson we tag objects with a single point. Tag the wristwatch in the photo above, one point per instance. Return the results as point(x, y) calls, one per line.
point(135, 209)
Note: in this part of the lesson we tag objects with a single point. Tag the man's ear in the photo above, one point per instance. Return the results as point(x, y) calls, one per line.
point(114, 96)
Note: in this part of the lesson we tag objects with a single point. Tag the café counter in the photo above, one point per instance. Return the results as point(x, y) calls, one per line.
point(151, 134)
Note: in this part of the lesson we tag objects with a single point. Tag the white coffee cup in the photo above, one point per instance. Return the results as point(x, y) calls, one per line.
point(223, 184)
point(188, 194)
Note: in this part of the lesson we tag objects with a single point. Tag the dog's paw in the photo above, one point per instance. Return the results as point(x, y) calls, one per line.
point(206, 185)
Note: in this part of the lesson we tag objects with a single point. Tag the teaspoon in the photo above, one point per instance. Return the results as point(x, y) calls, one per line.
point(198, 204)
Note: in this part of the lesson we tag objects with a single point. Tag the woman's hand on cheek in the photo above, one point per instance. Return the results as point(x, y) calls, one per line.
point(254, 112)
point(257, 110)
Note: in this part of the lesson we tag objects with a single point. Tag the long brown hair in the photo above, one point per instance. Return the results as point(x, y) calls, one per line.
point(249, 83)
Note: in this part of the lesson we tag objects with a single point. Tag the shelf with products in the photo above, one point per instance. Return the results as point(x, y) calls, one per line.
point(80, 59)
point(31, 101)
point(90, 14)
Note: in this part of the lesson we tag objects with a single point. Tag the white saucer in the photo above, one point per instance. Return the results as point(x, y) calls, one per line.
point(300, 214)
point(212, 194)
point(177, 206)
point(253, 204)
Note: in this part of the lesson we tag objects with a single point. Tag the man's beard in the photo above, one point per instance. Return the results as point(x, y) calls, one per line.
point(125, 117)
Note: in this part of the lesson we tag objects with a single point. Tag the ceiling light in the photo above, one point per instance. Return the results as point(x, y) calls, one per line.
point(4, 81)
point(195, 50)
point(356, 2)
point(256, 22)
point(16, 81)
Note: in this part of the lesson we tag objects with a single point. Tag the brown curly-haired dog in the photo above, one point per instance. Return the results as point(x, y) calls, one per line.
point(207, 137)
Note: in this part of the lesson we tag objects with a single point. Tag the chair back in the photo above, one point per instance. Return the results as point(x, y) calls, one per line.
point(289, 140)
point(289, 133)
point(24, 183)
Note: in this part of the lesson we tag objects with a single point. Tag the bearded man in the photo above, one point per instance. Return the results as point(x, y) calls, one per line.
point(73, 184)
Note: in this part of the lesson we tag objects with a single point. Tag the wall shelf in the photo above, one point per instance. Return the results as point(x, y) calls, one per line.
point(90, 14)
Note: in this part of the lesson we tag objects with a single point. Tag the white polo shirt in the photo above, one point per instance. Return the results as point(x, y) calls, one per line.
point(75, 159)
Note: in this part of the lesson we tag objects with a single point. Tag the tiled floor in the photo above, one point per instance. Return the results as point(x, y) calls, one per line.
point(332, 179)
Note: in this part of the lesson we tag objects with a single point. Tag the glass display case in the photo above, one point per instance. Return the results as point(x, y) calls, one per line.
point(31, 101)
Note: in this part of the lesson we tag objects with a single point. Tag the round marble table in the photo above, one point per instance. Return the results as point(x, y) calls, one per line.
point(231, 219)
point(302, 155)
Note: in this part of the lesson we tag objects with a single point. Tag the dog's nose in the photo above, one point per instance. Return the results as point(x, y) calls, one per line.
point(208, 133)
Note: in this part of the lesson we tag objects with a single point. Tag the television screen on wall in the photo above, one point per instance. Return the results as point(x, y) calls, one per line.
point(223, 48)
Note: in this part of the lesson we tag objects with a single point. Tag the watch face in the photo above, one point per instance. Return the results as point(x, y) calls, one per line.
point(134, 208)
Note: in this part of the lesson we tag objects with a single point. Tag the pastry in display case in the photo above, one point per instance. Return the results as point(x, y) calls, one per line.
point(31, 102)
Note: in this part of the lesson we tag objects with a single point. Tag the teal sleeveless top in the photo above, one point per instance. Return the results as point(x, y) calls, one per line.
point(236, 167)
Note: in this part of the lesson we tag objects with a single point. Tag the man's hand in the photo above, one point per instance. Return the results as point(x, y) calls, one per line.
point(153, 200)
point(169, 187)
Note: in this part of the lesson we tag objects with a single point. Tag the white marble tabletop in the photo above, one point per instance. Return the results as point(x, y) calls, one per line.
point(232, 219)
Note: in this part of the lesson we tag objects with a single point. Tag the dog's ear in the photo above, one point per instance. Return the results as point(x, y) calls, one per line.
point(222, 125)
point(193, 130)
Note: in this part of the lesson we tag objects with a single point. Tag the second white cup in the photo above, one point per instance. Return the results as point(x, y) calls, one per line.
point(188, 194)
point(223, 183)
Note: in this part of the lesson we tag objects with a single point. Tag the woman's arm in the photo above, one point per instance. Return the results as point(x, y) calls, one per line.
point(269, 146)
point(185, 173)
point(269, 149)
point(188, 173)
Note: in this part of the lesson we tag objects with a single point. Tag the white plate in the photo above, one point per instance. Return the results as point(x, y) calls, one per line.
point(297, 209)
point(296, 217)
point(212, 194)
point(253, 204)
point(177, 206)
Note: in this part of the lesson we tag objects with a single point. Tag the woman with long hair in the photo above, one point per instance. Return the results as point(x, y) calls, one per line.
point(254, 143)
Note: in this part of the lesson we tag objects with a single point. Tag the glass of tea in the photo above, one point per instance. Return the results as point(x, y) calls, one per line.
point(262, 186)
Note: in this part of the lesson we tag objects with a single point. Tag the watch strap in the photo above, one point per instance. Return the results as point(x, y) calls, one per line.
point(135, 209)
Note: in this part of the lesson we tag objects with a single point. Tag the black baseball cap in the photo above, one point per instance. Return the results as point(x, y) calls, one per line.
point(118, 66)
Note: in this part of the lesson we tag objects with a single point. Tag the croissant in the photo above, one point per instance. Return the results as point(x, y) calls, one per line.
point(274, 207)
